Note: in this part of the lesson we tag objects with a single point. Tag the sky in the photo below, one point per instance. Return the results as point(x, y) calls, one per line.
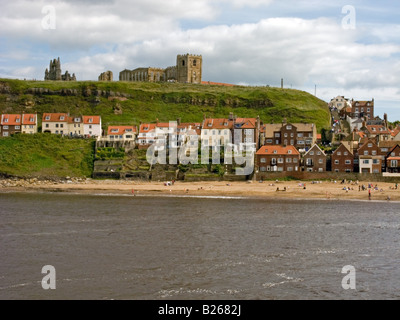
point(331, 48)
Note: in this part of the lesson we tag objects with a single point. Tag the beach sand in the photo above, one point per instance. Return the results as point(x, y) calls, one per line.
point(266, 189)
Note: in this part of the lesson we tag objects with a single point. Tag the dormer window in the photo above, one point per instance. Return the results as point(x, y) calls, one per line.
point(146, 128)
point(225, 124)
point(47, 118)
point(289, 152)
point(31, 119)
point(114, 130)
point(77, 120)
point(62, 118)
point(210, 124)
point(288, 127)
point(128, 130)
point(275, 151)
point(18, 120)
point(90, 120)
point(6, 120)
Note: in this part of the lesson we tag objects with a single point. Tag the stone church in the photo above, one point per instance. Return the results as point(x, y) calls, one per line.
point(54, 72)
point(188, 69)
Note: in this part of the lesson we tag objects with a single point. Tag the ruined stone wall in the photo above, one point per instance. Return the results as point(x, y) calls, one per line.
point(106, 76)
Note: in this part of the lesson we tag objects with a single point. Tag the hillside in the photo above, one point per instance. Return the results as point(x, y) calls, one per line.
point(46, 156)
point(132, 102)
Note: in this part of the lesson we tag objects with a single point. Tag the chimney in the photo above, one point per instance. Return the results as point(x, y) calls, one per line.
point(178, 121)
point(385, 118)
point(157, 121)
point(282, 83)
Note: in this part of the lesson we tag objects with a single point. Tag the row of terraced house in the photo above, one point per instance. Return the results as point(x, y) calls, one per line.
point(283, 147)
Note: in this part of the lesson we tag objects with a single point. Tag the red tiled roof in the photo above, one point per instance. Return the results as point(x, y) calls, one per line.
point(395, 132)
point(11, 120)
point(29, 119)
point(121, 129)
point(217, 124)
point(376, 129)
point(72, 119)
point(248, 123)
point(55, 117)
point(91, 119)
point(281, 150)
point(147, 127)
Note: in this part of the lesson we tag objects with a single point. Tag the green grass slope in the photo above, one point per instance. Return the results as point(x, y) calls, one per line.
point(147, 102)
point(46, 156)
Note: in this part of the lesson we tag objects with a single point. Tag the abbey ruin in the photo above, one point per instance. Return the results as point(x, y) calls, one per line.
point(106, 76)
point(188, 69)
point(54, 72)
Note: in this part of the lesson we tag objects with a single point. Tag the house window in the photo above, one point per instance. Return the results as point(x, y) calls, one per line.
point(393, 163)
point(6, 120)
point(61, 125)
point(288, 127)
point(62, 118)
point(300, 135)
point(311, 153)
point(309, 162)
point(5, 127)
point(56, 125)
point(288, 160)
point(375, 161)
point(336, 161)
point(319, 153)
point(286, 135)
point(263, 169)
point(5, 134)
point(90, 126)
point(289, 168)
point(269, 141)
point(291, 142)
point(263, 160)
point(277, 135)
point(321, 161)
point(339, 153)
point(47, 125)
point(348, 162)
point(348, 170)
point(273, 161)
point(280, 160)
point(369, 145)
point(365, 161)
point(345, 153)
point(295, 160)
point(374, 153)
point(320, 170)
point(365, 153)
point(17, 127)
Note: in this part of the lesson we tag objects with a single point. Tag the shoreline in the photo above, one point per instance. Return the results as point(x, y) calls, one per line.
point(222, 189)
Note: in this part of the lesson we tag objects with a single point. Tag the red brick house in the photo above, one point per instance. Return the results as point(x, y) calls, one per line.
point(392, 160)
point(360, 109)
point(277, 159)
point(10, 124)
point(314, 160)
point(342, 160)
point(370, 157)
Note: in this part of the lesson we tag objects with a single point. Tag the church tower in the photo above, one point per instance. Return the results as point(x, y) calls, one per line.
point(189, 68)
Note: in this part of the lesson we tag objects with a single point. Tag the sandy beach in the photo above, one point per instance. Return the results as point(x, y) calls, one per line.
point(267, 189)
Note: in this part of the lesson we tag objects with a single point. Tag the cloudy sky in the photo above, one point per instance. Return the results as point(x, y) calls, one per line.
point(341, 47)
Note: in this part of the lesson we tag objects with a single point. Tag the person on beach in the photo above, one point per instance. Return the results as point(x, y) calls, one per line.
point(369, 194)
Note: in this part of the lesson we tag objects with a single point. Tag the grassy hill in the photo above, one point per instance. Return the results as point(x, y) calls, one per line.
point(131, 102)
point(124, 103)
point(46, 156)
